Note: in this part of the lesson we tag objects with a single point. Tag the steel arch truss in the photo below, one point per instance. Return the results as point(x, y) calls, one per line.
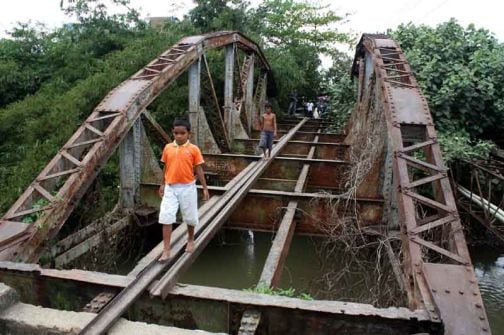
point(55, 192)
point(437, 268)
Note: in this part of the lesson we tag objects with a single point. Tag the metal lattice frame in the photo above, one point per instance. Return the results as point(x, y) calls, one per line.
point(436, 264)
point(481, 196)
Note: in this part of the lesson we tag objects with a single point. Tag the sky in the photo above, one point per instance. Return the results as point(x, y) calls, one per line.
point(369, 16)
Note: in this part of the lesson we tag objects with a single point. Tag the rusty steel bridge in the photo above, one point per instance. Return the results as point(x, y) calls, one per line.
point(406, 191)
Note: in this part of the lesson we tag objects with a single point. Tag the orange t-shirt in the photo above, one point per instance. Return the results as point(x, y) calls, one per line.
point(180, 161)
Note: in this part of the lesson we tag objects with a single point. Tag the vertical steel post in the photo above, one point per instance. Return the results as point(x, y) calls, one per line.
point(228, 90)
point(249, 94)
point(194, 100)
point(130, 165)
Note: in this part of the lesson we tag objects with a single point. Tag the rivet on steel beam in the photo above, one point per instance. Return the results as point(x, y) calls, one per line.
point(447, 291)
point(461, 292)
point(482, 317)
point(478, 305)
point(434, 290)
point(484, 329)
point(475, 293)
point(435, 317)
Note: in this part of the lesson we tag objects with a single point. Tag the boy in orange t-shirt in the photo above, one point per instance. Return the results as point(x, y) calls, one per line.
point(178, 188)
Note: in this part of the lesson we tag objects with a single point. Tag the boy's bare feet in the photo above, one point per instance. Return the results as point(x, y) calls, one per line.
point(190, 246)
point(164, 256)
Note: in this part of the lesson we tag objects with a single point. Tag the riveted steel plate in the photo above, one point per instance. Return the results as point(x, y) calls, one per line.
point(455, 291)
point(123, 96)
point(192, 39)
point(409, 106)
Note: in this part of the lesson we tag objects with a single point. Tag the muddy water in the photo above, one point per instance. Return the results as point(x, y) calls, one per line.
point(489, 267)
point(234, 259)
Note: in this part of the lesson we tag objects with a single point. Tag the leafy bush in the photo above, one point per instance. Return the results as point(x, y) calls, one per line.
point(456, 144)
point(461, 72)
point(290, 292)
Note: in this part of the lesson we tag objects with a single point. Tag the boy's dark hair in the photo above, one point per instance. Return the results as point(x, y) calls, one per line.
point(267, 104)
point(183, 122)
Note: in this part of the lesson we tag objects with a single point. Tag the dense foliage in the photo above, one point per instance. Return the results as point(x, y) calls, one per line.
point(295, 34)
point(341, 89)
point(461, 72)
point(80, 63)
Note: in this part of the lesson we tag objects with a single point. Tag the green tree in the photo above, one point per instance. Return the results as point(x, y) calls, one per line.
point(340, 88)
point(461, 73)
point(215, 15)
point(81, 69)
point(23, 65)
point(290, 23)
point(295, 34)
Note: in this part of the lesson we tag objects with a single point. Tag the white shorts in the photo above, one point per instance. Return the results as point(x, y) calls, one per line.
point(184, 196)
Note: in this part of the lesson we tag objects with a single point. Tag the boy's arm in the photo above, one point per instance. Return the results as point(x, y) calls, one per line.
point(274, 125)
point(202, 180)
point(162, 185)
point(164, 161)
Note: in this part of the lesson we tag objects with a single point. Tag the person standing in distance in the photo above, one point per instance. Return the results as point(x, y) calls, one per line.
point(268, 130)
point(182, 160)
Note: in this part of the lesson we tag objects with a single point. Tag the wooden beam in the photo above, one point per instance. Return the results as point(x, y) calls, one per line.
point(273, 267)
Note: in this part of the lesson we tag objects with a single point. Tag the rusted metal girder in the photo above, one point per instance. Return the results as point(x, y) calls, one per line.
point(326, 173)
point(68, 175)
point(436, 260)
point(259, 209)
point(332, 151)
point(241, 119)
point(162, 136)
point(309, 136)
point(39, 286)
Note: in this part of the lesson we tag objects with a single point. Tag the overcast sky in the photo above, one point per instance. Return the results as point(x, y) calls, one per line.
point(366, 15)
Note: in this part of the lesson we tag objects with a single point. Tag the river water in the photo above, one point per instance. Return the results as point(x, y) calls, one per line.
point(234, 259)
point(489, 267)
